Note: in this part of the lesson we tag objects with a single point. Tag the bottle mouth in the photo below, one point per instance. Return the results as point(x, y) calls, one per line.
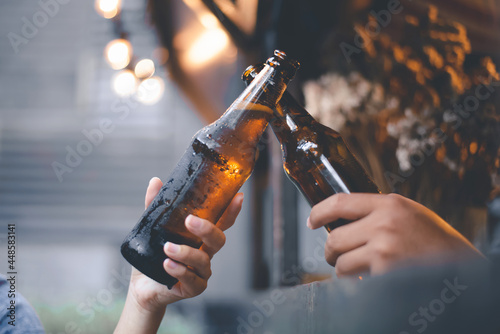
point(251, 72)
point(279, 61)
point(280, 58)
point(285, 63)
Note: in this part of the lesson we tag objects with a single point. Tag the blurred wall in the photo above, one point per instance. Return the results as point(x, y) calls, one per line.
point(55, 86)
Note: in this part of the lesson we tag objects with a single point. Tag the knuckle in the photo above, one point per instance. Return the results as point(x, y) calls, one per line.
point(197, 287)
point(395, 201)
point(206, 228)
point(204, 258)
point(340, 267)
point(383, 250)
point(203, 286)
point(338, 199)
point(330, 244)
point(388, 224)
point(183, 253)
point(189, 281)
point(330, 257)
point(179, 272)
point(333, 239)
point(183, 270)
point(222, 240)
point(191, 277)
point(209, 272)
point(321, 211)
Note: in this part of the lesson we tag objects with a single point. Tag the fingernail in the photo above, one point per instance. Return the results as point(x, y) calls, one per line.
point(153, 178)
point(242, 196)
point(309, 223)
point(171, 264)
point(193, 221)
point(172, 248)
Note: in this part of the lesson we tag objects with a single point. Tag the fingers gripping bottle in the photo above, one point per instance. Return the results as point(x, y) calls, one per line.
point(219, 160)
point(315, 157)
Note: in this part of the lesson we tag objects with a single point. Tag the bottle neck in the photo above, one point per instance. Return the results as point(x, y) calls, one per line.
point(258, 99)
point(247, 117)
point(294, 108)
point(290, 116)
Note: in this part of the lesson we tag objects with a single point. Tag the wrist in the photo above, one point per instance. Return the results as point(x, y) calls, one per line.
point(145, 306)
point(139, 318)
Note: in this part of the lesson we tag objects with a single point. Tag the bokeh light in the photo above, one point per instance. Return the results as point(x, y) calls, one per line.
point(125, 83)
point(150, 91)
point(118, 53)
point(144, 69)
point(209, 21)
point(207, 46)
point(108, 8)
point(161, 55)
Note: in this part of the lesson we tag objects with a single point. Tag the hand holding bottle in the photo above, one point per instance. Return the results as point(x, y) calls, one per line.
point(386, 232)
point(215, 165)
point(146, 298)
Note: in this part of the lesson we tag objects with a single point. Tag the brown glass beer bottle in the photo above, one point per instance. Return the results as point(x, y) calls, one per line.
point(315, 157)
point(219, 160)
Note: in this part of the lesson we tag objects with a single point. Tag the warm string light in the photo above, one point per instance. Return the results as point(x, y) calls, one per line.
point(211, 42)
point(150, 90)
point(134, 79)
point(118, 53)
point(125, 83)
point(207, 46)
point(144, 69)
point(108, 8)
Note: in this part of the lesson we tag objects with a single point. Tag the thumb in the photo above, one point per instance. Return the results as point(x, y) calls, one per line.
point(154, 187)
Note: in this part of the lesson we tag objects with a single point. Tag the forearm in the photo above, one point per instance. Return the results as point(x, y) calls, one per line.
point(137, 320)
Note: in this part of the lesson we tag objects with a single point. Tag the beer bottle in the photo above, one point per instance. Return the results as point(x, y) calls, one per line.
point(315, 157)
point(218, 161)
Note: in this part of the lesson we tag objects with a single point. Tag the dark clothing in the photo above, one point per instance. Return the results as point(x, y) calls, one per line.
point(23, 316)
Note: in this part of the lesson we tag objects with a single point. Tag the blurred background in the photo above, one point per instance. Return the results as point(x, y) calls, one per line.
point(72, 210)
point(98, 97)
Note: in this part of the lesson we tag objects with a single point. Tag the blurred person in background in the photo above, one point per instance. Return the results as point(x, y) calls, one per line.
point(16, 313)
